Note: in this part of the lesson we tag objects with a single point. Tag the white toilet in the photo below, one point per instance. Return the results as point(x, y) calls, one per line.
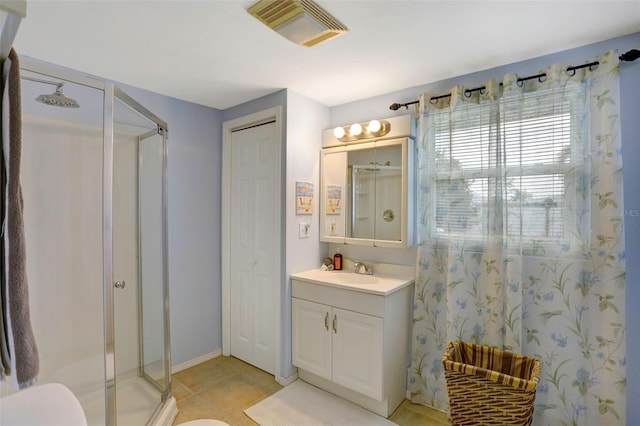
point(51, 404)
point(56, 405)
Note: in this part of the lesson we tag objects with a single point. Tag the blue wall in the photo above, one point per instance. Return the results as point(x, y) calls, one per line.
point(195, 159)
point(378, 107)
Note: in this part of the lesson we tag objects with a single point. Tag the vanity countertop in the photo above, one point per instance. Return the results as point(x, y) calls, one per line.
point(385, 282)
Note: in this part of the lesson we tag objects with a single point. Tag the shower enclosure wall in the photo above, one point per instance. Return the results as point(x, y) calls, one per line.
point(94, 187)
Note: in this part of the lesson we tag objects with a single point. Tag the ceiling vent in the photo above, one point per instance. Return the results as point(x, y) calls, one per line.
point(301, 21)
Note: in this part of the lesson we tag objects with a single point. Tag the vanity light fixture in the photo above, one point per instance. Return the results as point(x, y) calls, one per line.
point(301, 21)
point(355, 130)
point(358, 131)
point(374, 126)
point(339, 132)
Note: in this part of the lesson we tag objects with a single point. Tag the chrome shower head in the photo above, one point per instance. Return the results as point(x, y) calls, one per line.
point(58, 99)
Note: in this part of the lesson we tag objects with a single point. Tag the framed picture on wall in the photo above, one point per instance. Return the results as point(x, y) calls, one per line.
point(334, 199)
point(304, 197)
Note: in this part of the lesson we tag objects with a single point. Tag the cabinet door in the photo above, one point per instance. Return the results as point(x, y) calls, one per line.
point(357, 352)
point(311, 340)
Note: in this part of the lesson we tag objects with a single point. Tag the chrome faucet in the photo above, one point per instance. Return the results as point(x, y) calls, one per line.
point(361, 268)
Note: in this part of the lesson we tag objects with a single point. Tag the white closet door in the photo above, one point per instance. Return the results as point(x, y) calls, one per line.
point(254, 262)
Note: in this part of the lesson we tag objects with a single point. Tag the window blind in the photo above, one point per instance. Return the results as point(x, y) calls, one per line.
point(506, 168)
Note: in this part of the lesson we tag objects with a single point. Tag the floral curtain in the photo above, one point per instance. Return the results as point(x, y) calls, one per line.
point(521, 237)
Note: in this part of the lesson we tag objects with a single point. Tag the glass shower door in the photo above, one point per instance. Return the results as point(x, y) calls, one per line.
point(139, 264)
point(62, 181)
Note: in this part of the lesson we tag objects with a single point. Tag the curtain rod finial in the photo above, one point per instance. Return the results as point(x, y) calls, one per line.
point(630, 56)
point(395, 106)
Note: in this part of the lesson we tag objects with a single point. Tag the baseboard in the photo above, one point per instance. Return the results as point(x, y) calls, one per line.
point(287, 381)
point(202, 358)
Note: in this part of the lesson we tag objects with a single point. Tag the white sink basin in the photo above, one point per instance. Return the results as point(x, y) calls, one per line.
point(353, 278)
point(387, 280)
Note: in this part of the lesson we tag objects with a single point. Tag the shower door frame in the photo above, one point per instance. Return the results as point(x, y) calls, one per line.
point(110, 93)
point(162, 129)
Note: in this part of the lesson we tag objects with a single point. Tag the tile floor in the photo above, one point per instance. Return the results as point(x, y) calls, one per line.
point(223, 387)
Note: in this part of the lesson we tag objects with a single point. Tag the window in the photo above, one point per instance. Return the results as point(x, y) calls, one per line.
point(513, 168)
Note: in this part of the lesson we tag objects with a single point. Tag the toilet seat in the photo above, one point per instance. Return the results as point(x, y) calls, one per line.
point(56, 405)
point(204, 422)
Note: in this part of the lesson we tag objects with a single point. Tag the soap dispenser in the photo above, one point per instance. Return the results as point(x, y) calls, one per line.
point(337, 261)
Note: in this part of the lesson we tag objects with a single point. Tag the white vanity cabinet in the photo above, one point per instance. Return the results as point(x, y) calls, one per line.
point(339, 345)
point(353, 341)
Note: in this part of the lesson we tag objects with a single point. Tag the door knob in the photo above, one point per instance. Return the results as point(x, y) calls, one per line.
point(119, 284)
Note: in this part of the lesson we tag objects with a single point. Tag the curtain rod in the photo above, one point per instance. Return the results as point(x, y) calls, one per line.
point(629, 56)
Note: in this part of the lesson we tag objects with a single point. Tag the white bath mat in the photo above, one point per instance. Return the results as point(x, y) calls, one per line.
point(301, 404)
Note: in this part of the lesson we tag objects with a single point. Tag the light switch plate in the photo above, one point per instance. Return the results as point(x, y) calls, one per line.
point(304, 229)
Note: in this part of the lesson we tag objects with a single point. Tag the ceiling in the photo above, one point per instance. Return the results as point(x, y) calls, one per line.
point(213, 53)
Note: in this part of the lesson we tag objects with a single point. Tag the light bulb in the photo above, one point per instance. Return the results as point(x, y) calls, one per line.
point(356, 129)
point(374, 126)
point(338, 132)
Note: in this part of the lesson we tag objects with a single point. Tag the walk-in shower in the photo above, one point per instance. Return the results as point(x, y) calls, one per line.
point(94, 187)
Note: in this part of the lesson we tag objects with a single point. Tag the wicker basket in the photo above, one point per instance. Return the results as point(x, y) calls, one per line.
point(488, 386)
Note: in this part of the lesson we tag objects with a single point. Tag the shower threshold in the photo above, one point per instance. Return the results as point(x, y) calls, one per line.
point(137, 400)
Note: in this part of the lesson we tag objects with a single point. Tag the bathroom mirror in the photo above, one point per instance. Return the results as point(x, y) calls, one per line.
point(367, 193)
